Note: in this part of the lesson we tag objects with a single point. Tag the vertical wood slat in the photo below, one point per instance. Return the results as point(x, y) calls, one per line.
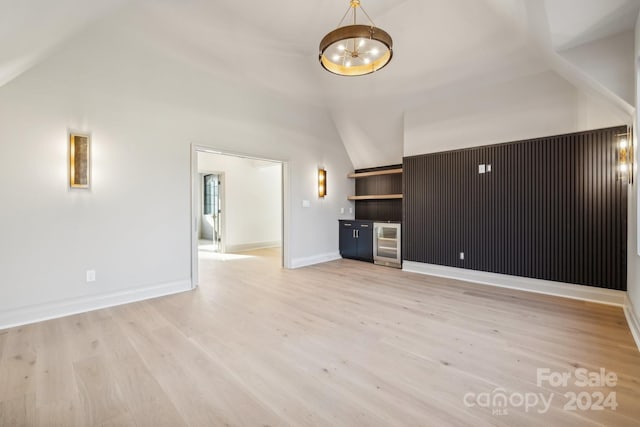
point(552, 208)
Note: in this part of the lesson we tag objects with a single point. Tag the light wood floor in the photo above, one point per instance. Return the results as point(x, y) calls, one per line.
point(340, 344)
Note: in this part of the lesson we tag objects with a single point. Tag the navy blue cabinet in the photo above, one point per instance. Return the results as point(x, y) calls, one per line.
point(348, 242)
point(356, 239)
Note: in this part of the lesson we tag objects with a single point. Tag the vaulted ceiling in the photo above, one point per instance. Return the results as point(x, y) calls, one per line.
point(441, 47)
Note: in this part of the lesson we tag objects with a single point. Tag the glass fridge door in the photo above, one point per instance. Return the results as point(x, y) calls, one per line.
point(387, 243)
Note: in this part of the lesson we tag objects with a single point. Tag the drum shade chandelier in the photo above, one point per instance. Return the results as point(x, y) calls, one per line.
point(355, 50)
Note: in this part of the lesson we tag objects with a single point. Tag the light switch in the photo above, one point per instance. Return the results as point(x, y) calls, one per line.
point(488, 168)
point(481, 168)
point(306, 204)
point(91, 276)
point(341, 210)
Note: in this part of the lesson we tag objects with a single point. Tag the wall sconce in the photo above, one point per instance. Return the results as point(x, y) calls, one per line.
point(625, 156)
point(322, 183)
point(79, 160)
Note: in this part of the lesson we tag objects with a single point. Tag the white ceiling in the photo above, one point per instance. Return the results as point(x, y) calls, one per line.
point(31, 29)
point(595, 20)
point(440, 47)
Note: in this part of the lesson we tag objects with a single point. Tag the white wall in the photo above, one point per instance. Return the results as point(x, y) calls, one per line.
point(542, 104)
point(144, 108)
point(252, 197)
point(633, 260)
point(374, 134)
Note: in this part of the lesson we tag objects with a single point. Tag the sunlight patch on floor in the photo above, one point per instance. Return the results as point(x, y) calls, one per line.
point(207, 246)
point(215, 256)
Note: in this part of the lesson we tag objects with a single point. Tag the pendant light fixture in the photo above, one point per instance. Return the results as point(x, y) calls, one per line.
point(355, 50)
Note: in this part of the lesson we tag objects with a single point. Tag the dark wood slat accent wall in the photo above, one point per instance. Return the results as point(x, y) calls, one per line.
point(379, 210)
point(551, 208)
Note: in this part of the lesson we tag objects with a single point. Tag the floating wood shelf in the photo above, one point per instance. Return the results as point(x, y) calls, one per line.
point(376, 197)
point(374, 173)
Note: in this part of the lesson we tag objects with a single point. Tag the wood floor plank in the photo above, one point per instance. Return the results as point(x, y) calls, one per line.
point(192, 406)
point(100, 395)
point(66, 411)
point(122, 420)
point(147, 403)
point(222, 387)
point(18, 411)
point(54, 367)
point(84, 339)
point(201, 392)
point(3, 338)
point(18, 363)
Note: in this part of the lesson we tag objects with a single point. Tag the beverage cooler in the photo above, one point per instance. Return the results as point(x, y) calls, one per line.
point(387, 244)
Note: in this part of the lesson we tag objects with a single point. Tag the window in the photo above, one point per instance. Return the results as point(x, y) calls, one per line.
point(210, 199)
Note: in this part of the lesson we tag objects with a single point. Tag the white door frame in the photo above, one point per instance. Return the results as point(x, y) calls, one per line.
point(195, 208)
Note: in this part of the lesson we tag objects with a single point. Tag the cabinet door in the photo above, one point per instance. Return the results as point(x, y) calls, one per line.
point(348, 243)
point(365, 242)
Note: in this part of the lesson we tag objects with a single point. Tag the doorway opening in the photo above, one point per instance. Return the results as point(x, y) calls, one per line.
point(239, 209)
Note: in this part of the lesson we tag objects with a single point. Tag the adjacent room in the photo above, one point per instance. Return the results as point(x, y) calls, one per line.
point(326, 213)
point(239, 201)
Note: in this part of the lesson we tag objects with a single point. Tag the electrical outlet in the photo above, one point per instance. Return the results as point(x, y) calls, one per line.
point(341, 210)
point(488, 168)
point(350, 210)
point(91, 276)
point(462, 256)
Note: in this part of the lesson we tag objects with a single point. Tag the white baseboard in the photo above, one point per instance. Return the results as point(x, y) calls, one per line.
point(252, 246)
point(316, 259)
point(46, 311)
point(568, 290)
point(633, 320)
